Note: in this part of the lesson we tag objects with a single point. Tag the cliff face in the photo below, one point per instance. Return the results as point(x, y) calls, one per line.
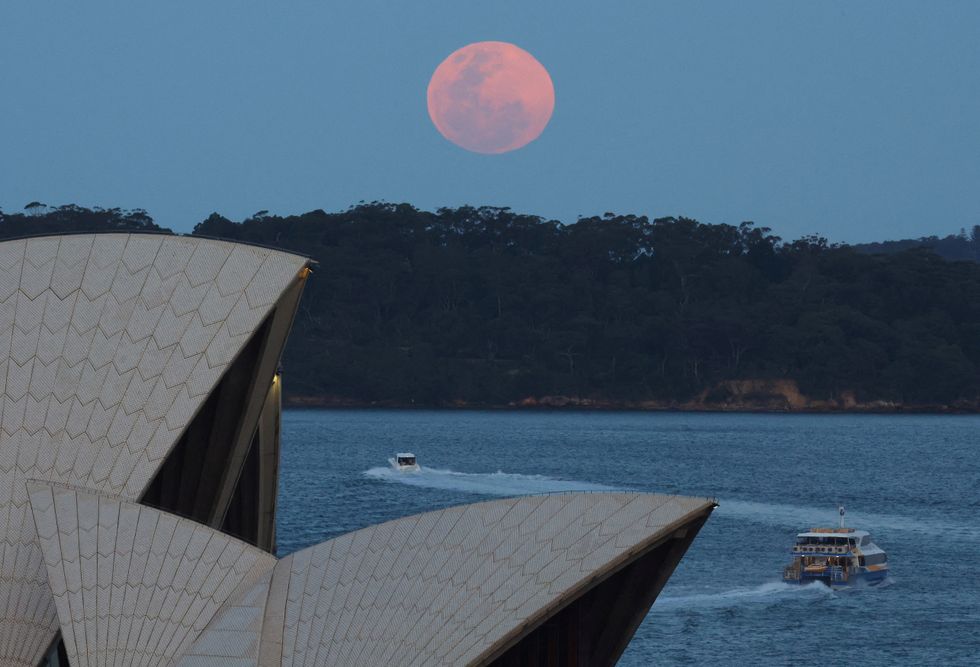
point(728, 396)
point(781, 395)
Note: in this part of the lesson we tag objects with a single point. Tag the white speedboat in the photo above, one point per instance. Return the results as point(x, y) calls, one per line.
point(838, 557)
point(404, 462)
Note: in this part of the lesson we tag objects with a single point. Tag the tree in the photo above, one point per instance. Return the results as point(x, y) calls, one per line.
point(36, 208)
point(490, 306)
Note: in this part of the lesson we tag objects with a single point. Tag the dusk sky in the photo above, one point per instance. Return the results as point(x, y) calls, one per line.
point(856, 121)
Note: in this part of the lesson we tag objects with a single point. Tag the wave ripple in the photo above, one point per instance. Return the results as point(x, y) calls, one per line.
point(490, 484)
point(768, 593)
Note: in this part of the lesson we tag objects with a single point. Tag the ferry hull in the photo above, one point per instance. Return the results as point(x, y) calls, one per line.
point(867, 578)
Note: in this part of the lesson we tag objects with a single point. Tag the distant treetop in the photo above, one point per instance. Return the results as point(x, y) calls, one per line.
point(41, 219)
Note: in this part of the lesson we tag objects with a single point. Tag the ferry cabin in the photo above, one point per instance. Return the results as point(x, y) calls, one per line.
point(836, 557)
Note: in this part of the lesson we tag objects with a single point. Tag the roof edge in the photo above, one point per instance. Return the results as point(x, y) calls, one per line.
point(611, 567)
point(161, 232)
point(82, 490)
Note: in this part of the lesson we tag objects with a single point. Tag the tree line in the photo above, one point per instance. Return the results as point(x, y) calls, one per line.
point(962, 246)
point(487, 306)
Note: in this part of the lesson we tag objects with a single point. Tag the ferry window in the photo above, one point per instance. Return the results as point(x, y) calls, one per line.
point(851, 542)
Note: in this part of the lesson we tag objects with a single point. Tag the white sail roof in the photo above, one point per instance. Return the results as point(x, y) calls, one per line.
point(137, 586)
point(109, 344)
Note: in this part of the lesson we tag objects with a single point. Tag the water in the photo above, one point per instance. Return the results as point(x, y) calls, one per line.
point(489, 484)
point(913, 481)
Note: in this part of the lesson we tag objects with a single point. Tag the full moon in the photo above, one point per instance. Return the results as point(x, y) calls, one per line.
point(491, 97)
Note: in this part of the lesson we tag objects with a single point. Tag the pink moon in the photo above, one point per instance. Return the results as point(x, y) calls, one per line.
point(491, 97)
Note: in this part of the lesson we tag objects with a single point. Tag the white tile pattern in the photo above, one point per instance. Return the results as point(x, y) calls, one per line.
point(232, 638)
point(444, 587)
point(108, 345)
point(134, 585)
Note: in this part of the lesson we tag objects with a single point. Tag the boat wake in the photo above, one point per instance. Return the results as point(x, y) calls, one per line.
point(766, 594)
point(490, 484)
point(801, 517)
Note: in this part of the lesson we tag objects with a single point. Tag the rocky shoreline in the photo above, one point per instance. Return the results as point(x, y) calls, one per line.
point(730, 396)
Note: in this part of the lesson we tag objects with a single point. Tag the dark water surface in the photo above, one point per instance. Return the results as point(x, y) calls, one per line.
point(913, 481)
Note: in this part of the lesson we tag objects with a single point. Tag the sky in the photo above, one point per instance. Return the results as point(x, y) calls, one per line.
point(855, 121)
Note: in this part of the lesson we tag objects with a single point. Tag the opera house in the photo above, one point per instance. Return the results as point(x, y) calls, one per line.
point(139, 451)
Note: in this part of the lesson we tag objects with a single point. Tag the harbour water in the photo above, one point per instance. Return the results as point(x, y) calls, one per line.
point(913, 481)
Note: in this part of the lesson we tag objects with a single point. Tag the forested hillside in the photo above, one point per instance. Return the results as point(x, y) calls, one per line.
point(484, 306)
point(962, 246)
point(487, 306)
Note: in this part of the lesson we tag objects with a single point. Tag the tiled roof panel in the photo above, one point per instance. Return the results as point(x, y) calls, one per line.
point(133, 585)
point(450, 592)
point(108, 345)
point(124, 594)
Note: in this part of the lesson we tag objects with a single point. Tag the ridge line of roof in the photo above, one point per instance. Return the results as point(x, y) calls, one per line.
point(706, 501)
point(154, 232)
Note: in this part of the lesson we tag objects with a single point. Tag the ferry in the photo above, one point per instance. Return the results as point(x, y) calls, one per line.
point(404, 462)
point(838, 557)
